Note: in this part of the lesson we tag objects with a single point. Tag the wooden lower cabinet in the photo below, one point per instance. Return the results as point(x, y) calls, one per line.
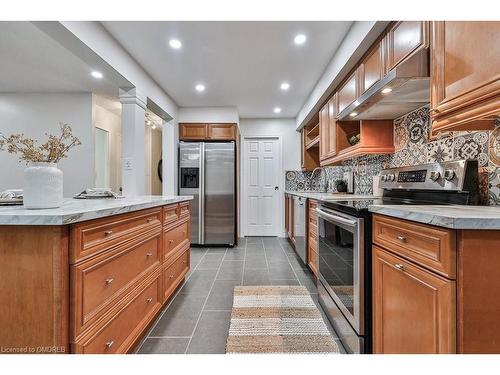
point(289, 222)
point(312, 237)
point(413, 309)
point(90, 287)
point(435, 290)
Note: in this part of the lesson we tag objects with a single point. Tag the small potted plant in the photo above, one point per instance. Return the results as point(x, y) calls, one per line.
point(341, 186)
point(43, 181)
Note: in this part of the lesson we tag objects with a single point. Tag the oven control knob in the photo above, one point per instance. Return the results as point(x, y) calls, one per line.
point(435, 175)
point(449, 174)
point(384, 177)
point(390, 177)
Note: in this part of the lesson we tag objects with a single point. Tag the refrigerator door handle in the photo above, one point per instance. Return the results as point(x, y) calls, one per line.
point(202, 195)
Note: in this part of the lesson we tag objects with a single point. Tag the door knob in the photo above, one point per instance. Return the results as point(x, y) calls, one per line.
point(276, 188)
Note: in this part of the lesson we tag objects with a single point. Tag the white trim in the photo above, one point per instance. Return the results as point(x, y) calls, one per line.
point(243, 200)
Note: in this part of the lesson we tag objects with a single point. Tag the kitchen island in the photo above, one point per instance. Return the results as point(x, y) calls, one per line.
point(91, 276)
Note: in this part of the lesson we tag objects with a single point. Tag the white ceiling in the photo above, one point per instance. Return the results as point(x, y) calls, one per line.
point(31, 61)
point(241, 63)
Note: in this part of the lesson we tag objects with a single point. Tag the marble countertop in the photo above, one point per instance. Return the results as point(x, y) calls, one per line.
point(76, 210)
point(454, 217)
point(328, 196)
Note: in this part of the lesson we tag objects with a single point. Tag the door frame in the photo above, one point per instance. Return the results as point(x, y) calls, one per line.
point(243, 175)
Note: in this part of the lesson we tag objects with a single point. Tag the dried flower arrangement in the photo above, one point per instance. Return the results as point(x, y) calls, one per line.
point(52, 151)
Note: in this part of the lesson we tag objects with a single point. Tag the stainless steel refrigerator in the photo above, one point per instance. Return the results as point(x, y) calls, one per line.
point(207, 172)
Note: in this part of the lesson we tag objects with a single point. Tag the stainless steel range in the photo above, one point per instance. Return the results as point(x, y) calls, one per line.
point(344, 240)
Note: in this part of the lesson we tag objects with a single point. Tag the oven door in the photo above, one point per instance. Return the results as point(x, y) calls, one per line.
point(341, 262)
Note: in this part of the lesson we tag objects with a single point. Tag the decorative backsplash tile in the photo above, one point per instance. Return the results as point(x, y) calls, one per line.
point(414, 146)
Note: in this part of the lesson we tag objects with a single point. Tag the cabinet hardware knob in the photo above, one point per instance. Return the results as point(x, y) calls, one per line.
point(149, 254)
point(402, 238)
point(184, 262)
point(149, 220)
point(108, 232)
point(171, 276)
point(399, 266)
point(109, 344)
point(149, 300)
point(170, 241)
point(183, 232)
point(109, 280)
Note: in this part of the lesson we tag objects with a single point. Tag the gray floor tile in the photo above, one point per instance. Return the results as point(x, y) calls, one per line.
point(216, 250)
point(282, 272)
point(211, 333)
point(285, 282)
point(221, 295)
point(164, 346)
point(235, 254)
point(231, 270)
point(210, 261)
point(255, 261)
point(180, 317)
point(256, 277)
point(199, 282)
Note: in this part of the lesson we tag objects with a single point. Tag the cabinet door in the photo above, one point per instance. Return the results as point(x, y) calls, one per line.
point(192, 131)
point(371, 68)
point(413, 309)
point(324, 132)
point(406, 38)
point(349, 91)
point(222, 131)
point(287, 198)
point(332, 119)
point(465, 77)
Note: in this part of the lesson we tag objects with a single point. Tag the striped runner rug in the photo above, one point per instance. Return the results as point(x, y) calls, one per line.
point(277, 319)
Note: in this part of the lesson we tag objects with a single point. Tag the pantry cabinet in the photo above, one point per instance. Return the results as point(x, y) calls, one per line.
point(465, 75)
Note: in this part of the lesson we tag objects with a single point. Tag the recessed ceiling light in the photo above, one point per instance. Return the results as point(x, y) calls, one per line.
point(96, 74)
point(175, 43)
point(200, 87)
point(277, 110)
point(353, 114)
point(299, 39)
point(386, 90)
point(285, 86)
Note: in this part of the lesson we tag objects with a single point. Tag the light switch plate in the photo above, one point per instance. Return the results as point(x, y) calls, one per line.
point(127, 164)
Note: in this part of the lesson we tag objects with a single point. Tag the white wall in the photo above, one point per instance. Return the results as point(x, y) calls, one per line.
point(290, 140)
point(37, 114)
point(208, 114)
point(111, 122)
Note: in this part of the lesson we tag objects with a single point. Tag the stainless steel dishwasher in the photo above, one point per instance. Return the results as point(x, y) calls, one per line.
point(299, 222)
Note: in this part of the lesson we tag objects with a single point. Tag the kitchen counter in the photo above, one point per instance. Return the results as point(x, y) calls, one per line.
point(76, 210)
point(325, 197)
point(453, 217)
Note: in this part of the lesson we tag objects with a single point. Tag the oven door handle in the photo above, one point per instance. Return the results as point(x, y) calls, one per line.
point(336, 218)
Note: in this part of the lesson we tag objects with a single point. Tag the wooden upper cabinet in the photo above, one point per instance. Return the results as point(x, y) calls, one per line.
point(222, 131)
point(323, 132)
point(371, 68)
point(203, 131)
point(465, 74)
point(327, 119)
point(193, 131)
point(413, 309)
point(349, 91)
point(404, 39)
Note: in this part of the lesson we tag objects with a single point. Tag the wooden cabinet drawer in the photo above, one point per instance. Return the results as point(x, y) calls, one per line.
point(429, 246)
point(183, 210)
point(175, 272)
point(92, 237)
point(122, 330)
point(174, 238)
point(170, 214)
point(313, 258)
point(97, 283)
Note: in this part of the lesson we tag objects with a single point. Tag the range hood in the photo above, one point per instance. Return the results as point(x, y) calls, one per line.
point(409, 85)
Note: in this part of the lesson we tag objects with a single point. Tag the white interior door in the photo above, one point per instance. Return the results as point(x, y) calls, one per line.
point(262, 175)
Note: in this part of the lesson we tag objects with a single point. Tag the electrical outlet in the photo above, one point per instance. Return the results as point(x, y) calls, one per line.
point(127, 164)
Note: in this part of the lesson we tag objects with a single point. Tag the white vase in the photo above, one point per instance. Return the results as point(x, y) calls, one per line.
point(43, 186)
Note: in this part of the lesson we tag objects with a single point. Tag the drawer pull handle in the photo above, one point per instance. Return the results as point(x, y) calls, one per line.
point(109, 344)
point(399, 266)
point(108, 232)
point(109, 280)
point(149, 300)
point(149, 255)
point(149, 220)
point(402, 238)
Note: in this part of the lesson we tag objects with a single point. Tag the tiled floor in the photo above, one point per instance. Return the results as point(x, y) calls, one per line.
point(197, 319)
